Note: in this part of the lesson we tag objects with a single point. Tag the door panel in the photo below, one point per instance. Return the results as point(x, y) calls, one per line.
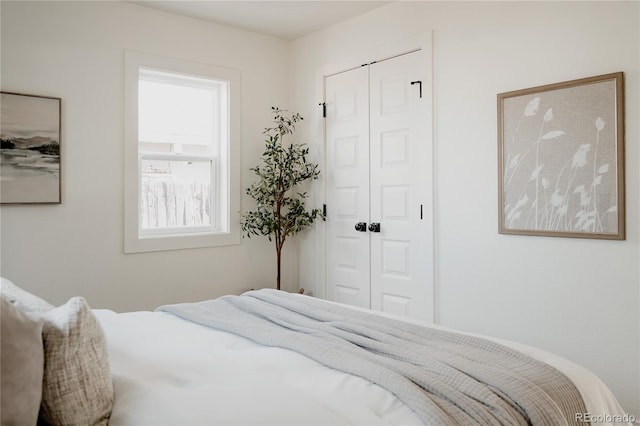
point(347, 144)
point(400, 150)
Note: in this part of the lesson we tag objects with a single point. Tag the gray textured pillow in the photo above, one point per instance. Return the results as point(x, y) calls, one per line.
point(77, 388)
point(22, 298)
point(21, 366)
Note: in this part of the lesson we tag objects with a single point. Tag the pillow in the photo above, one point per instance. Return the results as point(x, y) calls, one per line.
point(77, 387)
point(21, 366)
point(22, 298)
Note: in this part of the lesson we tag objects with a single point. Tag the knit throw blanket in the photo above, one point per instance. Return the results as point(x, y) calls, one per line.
point(447, 378)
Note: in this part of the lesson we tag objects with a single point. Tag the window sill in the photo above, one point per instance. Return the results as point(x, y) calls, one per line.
point(151, 243)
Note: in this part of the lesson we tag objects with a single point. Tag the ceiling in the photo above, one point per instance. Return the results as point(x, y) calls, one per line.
point(284, 19)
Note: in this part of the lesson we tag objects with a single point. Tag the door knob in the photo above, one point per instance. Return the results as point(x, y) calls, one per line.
point(374, 227)
point(361, 227)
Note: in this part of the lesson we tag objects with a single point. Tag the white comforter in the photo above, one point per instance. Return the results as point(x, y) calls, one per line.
point(168, 371)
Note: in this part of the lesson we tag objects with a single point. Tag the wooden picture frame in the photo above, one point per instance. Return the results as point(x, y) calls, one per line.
point(561, 159)
point(30, 129)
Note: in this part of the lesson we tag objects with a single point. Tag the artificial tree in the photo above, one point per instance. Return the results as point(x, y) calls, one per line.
point(280, 209)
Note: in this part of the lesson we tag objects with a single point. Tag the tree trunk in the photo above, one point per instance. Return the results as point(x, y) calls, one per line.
point(279, 253)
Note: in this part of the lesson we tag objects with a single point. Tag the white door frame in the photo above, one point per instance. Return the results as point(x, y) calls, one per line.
point(367, 55)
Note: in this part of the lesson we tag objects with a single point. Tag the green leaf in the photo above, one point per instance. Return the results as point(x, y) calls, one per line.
point(280, 209)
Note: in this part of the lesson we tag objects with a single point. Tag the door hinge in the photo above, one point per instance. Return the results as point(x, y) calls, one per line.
point(324, 108)
point(324, 212)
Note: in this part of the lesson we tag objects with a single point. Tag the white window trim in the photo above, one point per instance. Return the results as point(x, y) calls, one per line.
point(133, 241)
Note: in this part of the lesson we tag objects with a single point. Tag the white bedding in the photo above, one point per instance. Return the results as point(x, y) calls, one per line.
point(168, 371)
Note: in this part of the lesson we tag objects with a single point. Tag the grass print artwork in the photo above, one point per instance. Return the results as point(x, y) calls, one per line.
point(561, 159)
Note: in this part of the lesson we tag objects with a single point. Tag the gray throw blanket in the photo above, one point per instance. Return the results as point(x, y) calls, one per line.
point(446, 378)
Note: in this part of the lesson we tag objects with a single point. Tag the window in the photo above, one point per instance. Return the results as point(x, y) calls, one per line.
point(181, 156)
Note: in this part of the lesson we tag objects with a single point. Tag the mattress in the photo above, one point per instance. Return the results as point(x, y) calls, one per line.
point(169, 371)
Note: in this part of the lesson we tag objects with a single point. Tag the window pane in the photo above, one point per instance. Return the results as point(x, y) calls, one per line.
point(177, 112)
point(176, 194)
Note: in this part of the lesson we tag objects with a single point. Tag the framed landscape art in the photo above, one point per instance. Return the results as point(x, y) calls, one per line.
point(561, 159)
point(30, 137)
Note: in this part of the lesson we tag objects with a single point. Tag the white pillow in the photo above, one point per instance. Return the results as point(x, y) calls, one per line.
point(22, 298)
point(77, 387)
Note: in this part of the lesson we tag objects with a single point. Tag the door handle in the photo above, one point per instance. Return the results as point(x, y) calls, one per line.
point(361, 226)
point(419, 83)
point(374, 227)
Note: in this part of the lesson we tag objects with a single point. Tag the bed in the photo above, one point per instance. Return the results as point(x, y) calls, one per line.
point(308, 361)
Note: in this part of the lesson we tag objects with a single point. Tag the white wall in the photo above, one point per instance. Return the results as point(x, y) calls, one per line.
point(75, 51)
point(576, 297)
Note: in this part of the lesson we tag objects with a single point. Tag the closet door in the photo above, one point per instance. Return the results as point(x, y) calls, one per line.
point(347, 154)
point(400, 186)
point(378, 165)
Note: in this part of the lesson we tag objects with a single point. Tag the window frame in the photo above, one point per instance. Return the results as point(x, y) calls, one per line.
point(136, 240)
point(220, 90)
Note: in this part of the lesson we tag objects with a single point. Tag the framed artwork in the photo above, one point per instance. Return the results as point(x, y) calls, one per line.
point(30, 151)
point(561, 159)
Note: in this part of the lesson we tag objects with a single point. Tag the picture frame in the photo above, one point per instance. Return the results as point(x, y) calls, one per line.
point(30, 130)
point(561, 159)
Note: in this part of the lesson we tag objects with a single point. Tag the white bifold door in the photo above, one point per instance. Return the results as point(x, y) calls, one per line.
point(379, 186)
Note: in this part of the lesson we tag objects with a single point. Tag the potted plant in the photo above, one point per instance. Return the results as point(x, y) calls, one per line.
point(280, 208)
